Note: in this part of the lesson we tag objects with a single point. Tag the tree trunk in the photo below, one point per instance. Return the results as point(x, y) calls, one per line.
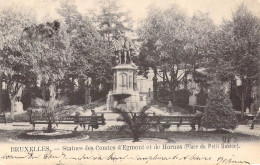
point(246, 88)
point(242, 107)
point(173, 93)
point(12, 100)
point(155, 85)
point(108, 38)
point(87, 95)
point(1, 88)
point(49, 129)
point(258, 89)
point(135, 136)
point(258, 83)
point(43, 90)
point(164, 77)
point(185, 81)
point(136, 139)
point(52, 90)
point(72, 85)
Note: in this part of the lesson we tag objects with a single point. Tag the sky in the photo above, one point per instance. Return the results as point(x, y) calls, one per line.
point(217, 9)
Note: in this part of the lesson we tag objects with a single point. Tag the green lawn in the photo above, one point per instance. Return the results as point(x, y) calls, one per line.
point(171, 136)
point(174, 136)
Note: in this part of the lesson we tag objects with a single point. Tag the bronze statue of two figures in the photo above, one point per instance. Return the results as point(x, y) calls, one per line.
point(123, 50)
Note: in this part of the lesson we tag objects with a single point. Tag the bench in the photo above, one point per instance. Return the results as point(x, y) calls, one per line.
point(3, 119)
point(77, 120)
point(166, 121)
point(200, 108)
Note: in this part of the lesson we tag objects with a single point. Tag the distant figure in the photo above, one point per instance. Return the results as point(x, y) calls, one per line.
point(247, 110)
point(255, 118)
point(149, 92)
point(170, 106)
point(94, 123)
point(77, 114)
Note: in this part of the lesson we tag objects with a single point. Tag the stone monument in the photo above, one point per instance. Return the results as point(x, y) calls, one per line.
point(124, 94)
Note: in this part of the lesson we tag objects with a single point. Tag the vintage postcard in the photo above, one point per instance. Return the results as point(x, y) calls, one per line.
point(130, 82)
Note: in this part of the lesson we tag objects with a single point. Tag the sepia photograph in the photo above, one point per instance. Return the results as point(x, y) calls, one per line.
point(130, 82)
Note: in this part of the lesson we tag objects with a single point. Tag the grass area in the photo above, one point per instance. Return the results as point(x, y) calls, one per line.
point(209, 136)
point(74, 134)
point(5, 135)
point(164, 107)
point(171, 136)
point(95, 104)
point(69, 109)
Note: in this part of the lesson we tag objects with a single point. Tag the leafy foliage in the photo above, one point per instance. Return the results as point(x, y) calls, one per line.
point(46, 46)
point(174, 44)
point(15, 69)
point(112, 21)
point(134, 123)
point(182, 97)
point(219, 113)
point(50, 109)
point(91, 54)
point(234, 54)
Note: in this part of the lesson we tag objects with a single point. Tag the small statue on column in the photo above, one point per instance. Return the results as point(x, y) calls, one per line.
point(123, 49)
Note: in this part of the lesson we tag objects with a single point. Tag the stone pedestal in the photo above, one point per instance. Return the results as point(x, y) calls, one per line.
point(192, 100)
point(124, 94)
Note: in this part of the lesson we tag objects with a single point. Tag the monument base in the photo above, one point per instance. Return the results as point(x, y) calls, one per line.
point(127, 102)
point(124, 94)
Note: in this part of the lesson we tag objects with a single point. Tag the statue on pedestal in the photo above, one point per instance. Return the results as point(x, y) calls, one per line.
point(123, 49)
point(124, 94)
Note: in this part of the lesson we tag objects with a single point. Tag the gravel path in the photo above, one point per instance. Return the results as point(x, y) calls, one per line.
point(111, 121)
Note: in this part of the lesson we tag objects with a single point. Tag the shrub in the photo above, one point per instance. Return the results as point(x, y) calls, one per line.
point(219, 113)
point(135, 124)
point(163, 93)
point(202, 98)
point(182, 97)
point(6, 104)
point(29, 94)
point(50, 110)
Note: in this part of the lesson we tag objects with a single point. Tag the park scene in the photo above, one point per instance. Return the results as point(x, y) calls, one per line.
point(110, 71)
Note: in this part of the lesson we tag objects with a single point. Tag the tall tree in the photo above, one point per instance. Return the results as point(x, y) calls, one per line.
point(174, 44)
point(148, 59)
point(14, 68)
point(234, 52)
point(92, 55)
point(112, 21)
point(201, 30)
point(46, 46)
